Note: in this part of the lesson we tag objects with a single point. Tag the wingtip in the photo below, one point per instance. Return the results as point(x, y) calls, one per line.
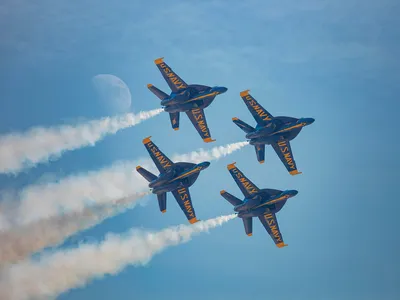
point(222, 192)
point(164, 211)
point(159, 60)
point(176, 128)
point(138, 167)
point(295, 172)
point(244, 93)
point(250, 234)
point(149, 85)
point(261, 161)
point(147, 140)
point(208, 140)
point(235, 119)
point(231, 166)
point(194, 220)
point(281, 245)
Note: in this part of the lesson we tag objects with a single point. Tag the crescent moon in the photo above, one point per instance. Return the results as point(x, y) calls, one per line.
point(113, 93)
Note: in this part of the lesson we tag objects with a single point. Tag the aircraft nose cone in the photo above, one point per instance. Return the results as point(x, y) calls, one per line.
point(222, 90)
point(309, 121)
point(219, 89)
point(205, 165)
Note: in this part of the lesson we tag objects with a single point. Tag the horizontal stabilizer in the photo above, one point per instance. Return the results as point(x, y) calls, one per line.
point(159, 93)
point(231, 199)
point(242, 125)
point(146, 174)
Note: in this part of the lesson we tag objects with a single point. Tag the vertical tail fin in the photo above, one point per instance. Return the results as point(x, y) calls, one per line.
point(174, 117)
point(159, 93)
point(248, 226)
point(146, 174)
point(242, 125)
point(231, 199)
point(260, 152)
point(162, 202)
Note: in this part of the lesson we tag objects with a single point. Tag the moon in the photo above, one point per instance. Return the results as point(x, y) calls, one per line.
point(113, 93)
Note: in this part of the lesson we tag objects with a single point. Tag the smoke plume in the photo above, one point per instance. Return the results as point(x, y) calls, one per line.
point(37, 145)
point(53, 274)
point(75, 193)
point(21, 242)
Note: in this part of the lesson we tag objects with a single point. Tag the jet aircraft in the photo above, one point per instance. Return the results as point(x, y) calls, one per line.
point(189, 98)
point(261, 203)
point(274, 131)
point(174, 177)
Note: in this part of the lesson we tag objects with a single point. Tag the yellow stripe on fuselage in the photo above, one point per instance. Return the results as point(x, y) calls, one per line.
point(290, 128)
point(271, 202)
point(201, 97)
point(187, 174)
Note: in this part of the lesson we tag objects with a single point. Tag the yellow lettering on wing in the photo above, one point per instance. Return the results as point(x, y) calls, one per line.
point(283, 146)
point(186, 202)
point(257, 108)
point(164, 162)
point(251, 189)
point(199, 118)
point(172, 76)
point(269, 218)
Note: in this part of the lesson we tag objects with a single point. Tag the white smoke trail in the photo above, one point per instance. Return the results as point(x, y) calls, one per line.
point(22, 150)
point(21, 242)
point(213, 154)
point(55, 273)
point(43, 201)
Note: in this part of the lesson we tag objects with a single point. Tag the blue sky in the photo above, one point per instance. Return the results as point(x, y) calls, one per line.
point(334, 61)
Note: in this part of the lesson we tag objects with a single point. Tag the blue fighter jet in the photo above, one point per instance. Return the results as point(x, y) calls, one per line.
point(174, 177)
point(261, 203)
point(274, 131)
point(188, 98)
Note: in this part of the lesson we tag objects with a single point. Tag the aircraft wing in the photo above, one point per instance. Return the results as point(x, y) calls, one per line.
point(246, 186)
point(284, 151)
point(260, 152)
point(260, 114)
point(182, 196)
point(271, 225)
point(162, 162)
point(198, 119)
point(174, 81)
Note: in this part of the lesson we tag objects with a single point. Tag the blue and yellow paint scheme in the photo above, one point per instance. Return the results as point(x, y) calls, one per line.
point(189, 98)
point(174, 177)
point(261, 203)
point(270, 130)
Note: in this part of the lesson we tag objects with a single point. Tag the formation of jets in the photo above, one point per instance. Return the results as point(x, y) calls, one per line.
point(177, 177)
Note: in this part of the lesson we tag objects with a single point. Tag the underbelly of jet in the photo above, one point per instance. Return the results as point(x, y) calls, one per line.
point(180, 107)
point(166, 188)
point(253, 213)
